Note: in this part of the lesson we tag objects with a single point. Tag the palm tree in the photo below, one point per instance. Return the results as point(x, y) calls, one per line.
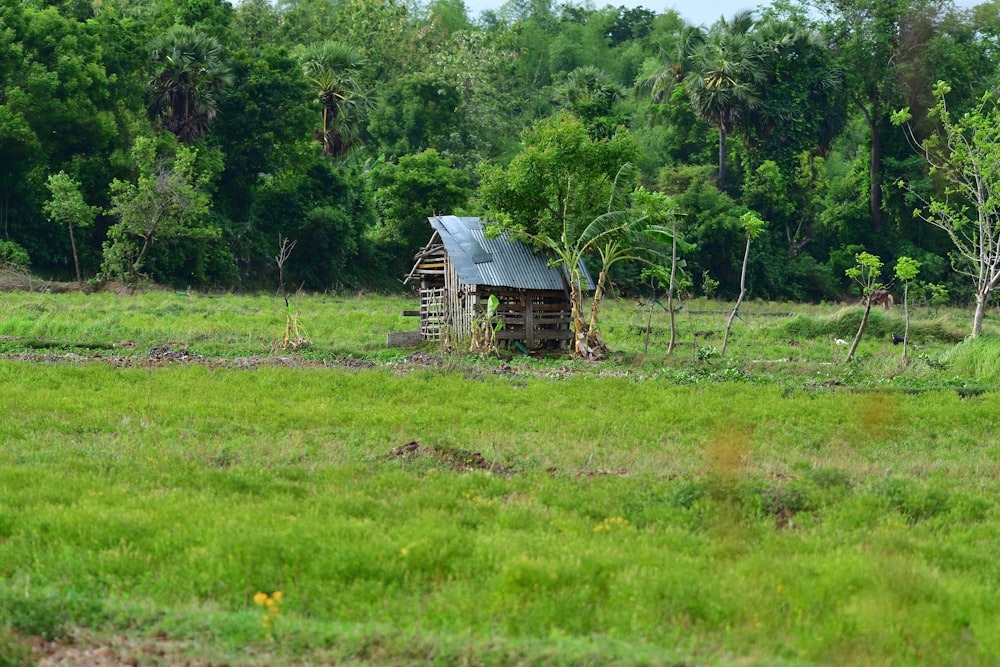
point(728, 72)
point(189, 77)
point(334, 71)
point(676, 64)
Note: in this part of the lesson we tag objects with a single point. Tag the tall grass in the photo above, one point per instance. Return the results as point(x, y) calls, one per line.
point(976, 357)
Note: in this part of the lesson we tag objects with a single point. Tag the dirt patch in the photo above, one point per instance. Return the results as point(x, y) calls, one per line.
point(178, 354)
point(423, 359)
point(459, 460)
point(555, 472)
point(119, 651)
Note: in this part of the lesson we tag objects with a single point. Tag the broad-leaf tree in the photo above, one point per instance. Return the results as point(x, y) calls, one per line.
point(864, 35)
point(408, 192)
point(66, 206)
point(167, 201)
point(964, 157)
point(562, 178)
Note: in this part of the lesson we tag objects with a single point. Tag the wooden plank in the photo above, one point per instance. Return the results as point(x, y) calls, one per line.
point(411, 313)
point(536, 335)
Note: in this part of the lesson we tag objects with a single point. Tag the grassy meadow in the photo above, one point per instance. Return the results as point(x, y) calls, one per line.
point(166, 470)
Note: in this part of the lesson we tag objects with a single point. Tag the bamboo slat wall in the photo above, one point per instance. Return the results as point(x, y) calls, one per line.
point(448, 307)
point(532, 316)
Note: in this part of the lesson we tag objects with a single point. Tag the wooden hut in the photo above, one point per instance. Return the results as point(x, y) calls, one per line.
point(460, 267)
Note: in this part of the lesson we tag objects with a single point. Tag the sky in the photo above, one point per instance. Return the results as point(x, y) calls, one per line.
point(697, 12)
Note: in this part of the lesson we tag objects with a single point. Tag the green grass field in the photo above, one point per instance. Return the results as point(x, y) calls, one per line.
point(770, 507)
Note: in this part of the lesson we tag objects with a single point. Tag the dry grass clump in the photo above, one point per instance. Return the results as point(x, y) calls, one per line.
point(17, 278)
point(14, 277)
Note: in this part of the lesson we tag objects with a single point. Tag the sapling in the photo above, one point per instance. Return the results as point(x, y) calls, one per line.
point(66, 205)
point(753, 226)
point(907, 269)
point(865, 273)
point(293, 339)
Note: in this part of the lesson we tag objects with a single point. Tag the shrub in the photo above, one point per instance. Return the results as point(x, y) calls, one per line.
point(13, 255)
point(41, 615)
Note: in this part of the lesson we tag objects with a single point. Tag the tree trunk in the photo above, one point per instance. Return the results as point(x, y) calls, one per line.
point(722, 159)
point(76, 259)
point(596, 303)
point(906, 318)
point(649, 321)
point(875, 173)
point(861, 329)
point(579, 328)
point(595, 348)
point(670, 291)
point(137, 264)
point(977, 319)
point(739, 300)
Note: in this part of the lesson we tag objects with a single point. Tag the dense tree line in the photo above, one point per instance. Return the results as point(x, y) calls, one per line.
point(180, 140)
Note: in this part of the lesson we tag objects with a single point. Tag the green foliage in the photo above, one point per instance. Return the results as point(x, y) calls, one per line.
point(415, 113)
point(13, 254)
point(189, 75)
point(34, 614)
point(709, 285)
point(589, 94)
point(408, 192)
point(167, 202)
point(485, 327)
point(560, 181)
point(66, 205)
point(866, 272)
point(907, 268)
point(333, 70)
point(14, 650)
point(964, 155)
point(78, 78)
point(327, 210)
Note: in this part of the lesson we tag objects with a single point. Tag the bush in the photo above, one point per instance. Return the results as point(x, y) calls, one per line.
point(34, 615)
point(14, 255)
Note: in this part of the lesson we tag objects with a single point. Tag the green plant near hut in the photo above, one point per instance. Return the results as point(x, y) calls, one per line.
point(485, 327)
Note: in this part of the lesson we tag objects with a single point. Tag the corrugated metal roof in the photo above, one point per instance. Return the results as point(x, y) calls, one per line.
point(499, 261)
